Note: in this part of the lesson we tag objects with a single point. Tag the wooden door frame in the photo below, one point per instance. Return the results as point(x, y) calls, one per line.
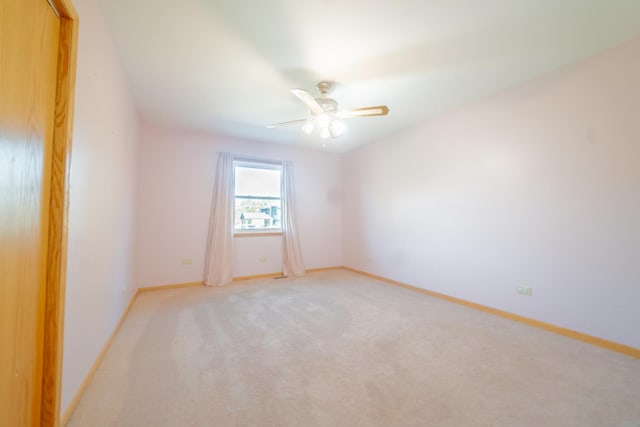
point(49, 412)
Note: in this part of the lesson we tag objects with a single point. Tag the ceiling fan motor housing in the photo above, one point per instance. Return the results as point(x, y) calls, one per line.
point(329, 105)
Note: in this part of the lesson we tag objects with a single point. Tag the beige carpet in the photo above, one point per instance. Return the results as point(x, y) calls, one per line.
point(339, 349)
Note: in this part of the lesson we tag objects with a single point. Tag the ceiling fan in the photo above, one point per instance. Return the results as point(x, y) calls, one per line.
point(324, 114)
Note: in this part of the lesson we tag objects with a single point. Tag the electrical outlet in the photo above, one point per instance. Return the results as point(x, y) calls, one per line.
point(524, 290)
point(186, 261)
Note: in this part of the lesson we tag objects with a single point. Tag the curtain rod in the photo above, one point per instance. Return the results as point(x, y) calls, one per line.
point(256, 159)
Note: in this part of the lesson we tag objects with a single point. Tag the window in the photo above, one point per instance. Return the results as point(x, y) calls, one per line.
point(257, 204)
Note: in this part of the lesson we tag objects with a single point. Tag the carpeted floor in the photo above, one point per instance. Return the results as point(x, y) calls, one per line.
point(339, 349)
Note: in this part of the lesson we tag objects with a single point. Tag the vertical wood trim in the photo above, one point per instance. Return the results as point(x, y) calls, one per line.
point(58, 215)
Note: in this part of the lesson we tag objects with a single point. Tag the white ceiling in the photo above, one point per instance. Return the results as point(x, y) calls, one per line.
point(227, 66)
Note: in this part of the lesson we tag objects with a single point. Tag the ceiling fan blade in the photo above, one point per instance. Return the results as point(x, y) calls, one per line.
point(378, 110)
point(291, 122)
point(308, 100)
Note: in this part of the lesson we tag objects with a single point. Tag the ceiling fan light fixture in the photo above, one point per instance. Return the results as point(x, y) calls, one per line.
point(308, 126)
point(324, 114)
point(323, 120)
point(325, 133)
point(336, 128)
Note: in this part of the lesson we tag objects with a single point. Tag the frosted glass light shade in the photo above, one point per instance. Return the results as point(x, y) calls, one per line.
point(308, 126)
point(336, 128)
point(323, 120)
point(324, 133)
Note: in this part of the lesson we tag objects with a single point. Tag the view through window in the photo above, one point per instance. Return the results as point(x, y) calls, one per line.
point(257, 196)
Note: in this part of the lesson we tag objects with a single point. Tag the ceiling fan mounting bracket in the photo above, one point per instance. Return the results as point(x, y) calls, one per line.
point(324, 87)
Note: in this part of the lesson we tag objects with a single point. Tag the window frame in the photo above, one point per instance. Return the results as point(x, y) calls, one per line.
point(256, 164)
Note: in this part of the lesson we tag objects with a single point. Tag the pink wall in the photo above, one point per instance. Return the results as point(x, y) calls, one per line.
point(538, 186)
point(177, 170)
point(102, 201)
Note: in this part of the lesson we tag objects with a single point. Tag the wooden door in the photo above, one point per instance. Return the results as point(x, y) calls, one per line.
point(34, 129)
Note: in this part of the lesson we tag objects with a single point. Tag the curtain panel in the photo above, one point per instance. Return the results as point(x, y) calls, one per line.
point(219, 261)
point(292, 264)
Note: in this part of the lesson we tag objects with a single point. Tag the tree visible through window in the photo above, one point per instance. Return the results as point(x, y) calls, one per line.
point(257, 196)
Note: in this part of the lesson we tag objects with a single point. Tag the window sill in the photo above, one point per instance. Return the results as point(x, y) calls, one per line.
point(253, 233)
